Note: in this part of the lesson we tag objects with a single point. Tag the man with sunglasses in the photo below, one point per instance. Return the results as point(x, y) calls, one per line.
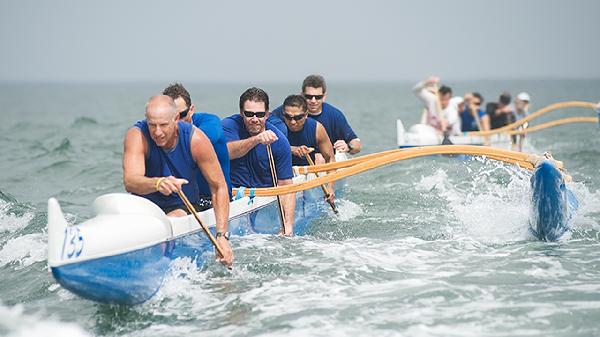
point(306, 135)
point(248, 133)
point(472, 117)
point(314, 91)
point(211, 126)
point(161, 156)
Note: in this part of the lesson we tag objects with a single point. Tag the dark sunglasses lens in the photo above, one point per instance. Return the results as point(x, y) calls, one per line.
point(309, 97)
point(259, 114)
point(184, 113)
point(297, 118)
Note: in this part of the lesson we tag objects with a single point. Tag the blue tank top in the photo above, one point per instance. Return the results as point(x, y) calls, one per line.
point(468, 123)
point(211, 126)
point(307, 136)
point(183, 164)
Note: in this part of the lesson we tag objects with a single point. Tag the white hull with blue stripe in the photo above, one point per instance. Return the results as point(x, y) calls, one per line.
point(425, 135)
point(123, 254)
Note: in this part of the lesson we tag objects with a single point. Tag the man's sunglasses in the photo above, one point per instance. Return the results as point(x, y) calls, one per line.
point(184, 113)
point(317, 97)
point(259, 114)
point(297, 118)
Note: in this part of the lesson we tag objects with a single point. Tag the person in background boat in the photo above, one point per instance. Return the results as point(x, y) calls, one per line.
point(161, 156)
point(306, 135)
point(343, 138)
point(472, 117)
point(211, 126)
point(500, 113)
point(247, 135)
point(521, 111)
point(448, 119)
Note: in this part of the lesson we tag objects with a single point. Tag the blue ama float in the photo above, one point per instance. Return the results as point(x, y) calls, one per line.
point(123, 254)
point(552, 203)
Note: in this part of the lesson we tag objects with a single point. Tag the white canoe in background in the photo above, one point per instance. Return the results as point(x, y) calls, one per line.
point(425, 135)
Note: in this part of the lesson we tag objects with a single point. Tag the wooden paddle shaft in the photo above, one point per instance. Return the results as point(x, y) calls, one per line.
point(274, 178)
point(191, 209)
point(323, 187)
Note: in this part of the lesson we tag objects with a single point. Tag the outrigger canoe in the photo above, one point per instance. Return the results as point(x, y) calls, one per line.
point(123, 254)
point(425, 135)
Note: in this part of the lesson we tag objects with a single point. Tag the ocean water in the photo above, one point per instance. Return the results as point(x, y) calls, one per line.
point(425, 247)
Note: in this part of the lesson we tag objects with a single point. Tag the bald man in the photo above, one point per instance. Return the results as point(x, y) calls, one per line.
point(163, 155)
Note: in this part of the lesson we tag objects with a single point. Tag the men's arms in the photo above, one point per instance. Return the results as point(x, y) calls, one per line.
point(288, 201)
point(239, 148)
point(326, 151)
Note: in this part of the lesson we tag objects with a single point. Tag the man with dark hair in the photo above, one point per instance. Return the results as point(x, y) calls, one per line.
point(248, 133)
point(210, 125)
point(162, 155)
point(472, 117)
point(314, 91)
point(434, 99)
point(306, 135)
point(501, 113)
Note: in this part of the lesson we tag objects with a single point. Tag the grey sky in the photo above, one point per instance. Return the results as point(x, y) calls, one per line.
point(284, 40)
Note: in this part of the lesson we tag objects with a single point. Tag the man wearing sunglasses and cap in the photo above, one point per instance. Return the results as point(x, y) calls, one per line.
point(314, 91)
point(211, 126)
point(248, 133)
point(521, 111)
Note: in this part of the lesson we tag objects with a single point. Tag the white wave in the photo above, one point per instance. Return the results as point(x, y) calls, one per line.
point(348, 210)
point(17, 324)
point(24, 250)
point(9, 222)
point(488, 208)
point(589, 207)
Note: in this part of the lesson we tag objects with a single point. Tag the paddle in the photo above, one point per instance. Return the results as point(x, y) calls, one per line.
point(323, 187)
point(274, 177)
point(191, 209)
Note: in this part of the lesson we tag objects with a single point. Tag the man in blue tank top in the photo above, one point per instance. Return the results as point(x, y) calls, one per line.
point(247, 135)
point(161, 156)
point(211, 126)
point(472, 118)
point(314, 90)
point(306, 135)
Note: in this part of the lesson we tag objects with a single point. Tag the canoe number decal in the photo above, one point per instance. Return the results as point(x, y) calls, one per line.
point(72, 243)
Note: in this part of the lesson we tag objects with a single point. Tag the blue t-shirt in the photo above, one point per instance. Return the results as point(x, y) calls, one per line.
point(333, 121)
point(278, 122)
point(252, 170)
point(307, 136)
point(184, 165)
point(467, 122)
point(211, 126)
